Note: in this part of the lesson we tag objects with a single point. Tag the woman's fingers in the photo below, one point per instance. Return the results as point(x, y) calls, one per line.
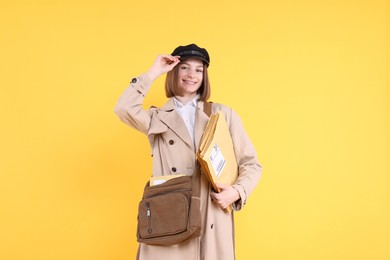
point(226, 196)
point(168, 62)
point(169, 59)
point(162, 64)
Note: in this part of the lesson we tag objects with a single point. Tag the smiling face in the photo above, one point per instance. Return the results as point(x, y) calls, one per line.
point(190, 76)
point(179, 84)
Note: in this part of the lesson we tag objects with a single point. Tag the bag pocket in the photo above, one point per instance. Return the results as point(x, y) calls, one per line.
point(163, 215)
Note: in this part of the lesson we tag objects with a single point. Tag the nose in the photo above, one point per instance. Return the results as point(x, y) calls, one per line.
point(190, 74)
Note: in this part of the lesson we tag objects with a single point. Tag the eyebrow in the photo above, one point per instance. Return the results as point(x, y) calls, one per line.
point(190, 65)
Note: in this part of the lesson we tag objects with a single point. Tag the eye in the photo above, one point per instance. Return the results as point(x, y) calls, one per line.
point(199, 70)
point(183, 67)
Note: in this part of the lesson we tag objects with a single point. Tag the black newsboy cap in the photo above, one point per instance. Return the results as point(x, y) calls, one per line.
point(192, 50)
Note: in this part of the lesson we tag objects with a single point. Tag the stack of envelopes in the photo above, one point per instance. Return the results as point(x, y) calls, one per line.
point(216, 153)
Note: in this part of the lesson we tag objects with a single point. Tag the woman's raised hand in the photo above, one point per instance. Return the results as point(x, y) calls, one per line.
point(163, 64)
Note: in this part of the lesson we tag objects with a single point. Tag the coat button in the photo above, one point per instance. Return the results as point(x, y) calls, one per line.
point(174, 169)
point(171, 142)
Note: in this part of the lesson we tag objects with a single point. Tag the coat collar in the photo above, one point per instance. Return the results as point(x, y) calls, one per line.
point(172, 119)
point(169, 116)
point(200, 124)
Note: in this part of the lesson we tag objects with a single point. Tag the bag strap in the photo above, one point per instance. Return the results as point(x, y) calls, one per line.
point(207, 108)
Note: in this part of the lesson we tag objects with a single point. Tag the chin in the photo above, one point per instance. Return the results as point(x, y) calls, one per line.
point(191, 89)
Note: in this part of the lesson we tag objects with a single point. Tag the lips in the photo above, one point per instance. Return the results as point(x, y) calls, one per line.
point(190, 82)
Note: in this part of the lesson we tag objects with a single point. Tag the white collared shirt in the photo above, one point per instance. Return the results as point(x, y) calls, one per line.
point(187, 113)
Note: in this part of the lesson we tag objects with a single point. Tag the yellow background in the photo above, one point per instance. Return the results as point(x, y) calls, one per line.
point(310, 80)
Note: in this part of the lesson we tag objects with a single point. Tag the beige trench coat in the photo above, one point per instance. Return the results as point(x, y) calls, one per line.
point(174, 153)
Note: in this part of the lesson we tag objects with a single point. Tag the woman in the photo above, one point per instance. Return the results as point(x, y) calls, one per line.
point(174, 132)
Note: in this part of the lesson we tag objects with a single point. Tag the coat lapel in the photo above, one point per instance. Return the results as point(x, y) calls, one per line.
point(201, 121)
point(169, 116)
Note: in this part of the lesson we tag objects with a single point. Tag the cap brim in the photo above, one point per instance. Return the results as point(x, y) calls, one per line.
point(192, 53)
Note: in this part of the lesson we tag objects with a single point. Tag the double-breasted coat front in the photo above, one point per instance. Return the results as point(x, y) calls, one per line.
point(174, 153)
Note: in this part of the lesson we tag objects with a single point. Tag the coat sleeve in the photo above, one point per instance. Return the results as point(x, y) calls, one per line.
point(129, 107)
point(249, 167)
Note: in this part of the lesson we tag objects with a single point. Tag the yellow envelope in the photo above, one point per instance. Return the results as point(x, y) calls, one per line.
point(161, 179)
point(216, 153)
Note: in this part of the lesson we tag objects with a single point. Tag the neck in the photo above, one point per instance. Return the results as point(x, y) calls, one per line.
point(185, 99)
